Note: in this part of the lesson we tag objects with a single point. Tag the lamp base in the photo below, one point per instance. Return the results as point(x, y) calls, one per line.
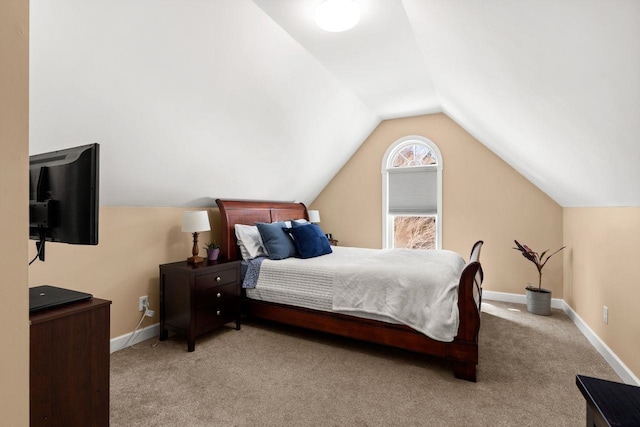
point(195, 260)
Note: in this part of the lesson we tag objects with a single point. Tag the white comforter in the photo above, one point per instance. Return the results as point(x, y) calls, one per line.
point(417, 288)
point(413, 287)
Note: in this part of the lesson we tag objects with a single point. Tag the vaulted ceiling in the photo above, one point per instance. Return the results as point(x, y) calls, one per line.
point(193, 99)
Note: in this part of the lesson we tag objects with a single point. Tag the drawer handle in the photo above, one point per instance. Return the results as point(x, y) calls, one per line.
point(218, 279)
point(218, 295)
point(218, 313)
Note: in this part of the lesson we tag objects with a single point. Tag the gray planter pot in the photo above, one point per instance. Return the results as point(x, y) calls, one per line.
point(539, 302)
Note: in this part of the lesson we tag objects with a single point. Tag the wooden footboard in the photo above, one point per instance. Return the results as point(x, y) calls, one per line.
point(462, 352)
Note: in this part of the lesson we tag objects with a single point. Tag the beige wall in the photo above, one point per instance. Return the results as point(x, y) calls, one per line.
point(601, 268)
point(483, 198)
point(14, 140)
point(133, 241)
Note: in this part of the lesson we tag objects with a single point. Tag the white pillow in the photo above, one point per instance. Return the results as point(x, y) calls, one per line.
point(299, 221)
point(249, 241)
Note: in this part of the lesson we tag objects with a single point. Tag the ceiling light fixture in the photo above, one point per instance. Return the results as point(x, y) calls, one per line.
point(337, 15)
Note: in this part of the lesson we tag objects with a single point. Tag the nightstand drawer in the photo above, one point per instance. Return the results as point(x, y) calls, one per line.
point(217, 296)
point(205, 281)
point(213, 316)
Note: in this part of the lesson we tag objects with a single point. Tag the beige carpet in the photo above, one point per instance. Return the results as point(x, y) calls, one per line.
point(270, 375)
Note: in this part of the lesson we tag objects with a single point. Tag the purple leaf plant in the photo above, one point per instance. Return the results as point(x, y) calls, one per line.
point(538, 259)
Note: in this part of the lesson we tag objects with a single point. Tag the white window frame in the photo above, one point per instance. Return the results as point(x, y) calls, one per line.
point(387, 220)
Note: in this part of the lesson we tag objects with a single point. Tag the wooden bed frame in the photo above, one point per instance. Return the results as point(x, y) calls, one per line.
point(462, 352)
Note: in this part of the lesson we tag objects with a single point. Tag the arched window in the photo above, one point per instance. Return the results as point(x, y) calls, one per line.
point(412, 194)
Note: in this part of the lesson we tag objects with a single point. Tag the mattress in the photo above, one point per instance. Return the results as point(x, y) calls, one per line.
point(412, 287)
point(303, 282)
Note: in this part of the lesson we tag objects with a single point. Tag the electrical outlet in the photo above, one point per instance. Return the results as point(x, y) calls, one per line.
point(143, 303)
point(605, 314)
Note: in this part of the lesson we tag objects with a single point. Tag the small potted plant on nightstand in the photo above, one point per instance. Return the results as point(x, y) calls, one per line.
point(213, 250)
point(538, 298)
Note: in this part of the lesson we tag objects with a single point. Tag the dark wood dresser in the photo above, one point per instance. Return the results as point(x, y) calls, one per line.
point(69, 365)
point(196, 300)
point(610, 403)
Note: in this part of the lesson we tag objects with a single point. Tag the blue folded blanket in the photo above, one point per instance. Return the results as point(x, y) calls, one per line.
point(250, 270)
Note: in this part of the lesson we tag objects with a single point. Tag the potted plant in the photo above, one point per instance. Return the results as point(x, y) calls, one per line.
point(213, 250)
point(538, 298)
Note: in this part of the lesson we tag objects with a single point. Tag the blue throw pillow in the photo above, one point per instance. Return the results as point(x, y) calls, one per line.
point(310, 240)
point(278, 243)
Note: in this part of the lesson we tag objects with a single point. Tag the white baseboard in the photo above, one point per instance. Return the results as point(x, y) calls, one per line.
point(517, 298)
point(132, 338)
point(612, 359)
point(609, 356)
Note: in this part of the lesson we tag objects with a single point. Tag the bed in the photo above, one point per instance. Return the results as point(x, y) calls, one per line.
point(461, 352)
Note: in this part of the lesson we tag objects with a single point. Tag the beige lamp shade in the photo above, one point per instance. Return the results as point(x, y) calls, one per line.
point(195, 221)
point(314, 216)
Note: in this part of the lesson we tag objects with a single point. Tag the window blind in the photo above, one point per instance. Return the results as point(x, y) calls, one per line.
point(413, 191)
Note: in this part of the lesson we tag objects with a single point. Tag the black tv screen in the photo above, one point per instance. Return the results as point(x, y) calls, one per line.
point(63, 196)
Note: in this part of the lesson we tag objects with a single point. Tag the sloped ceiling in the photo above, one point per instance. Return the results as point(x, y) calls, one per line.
point(552, 87)
point(193, 100)
point(190, 100)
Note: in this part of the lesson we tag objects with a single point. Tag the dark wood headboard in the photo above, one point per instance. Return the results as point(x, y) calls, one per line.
point(249, 212)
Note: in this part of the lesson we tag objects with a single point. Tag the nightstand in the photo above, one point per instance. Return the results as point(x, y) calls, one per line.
point(197, 300)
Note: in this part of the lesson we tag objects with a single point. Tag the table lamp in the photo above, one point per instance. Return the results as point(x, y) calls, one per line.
point(314, 216)
point(194, 222)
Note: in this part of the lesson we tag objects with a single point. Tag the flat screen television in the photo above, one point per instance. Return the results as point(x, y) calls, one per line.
point(63, 196)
